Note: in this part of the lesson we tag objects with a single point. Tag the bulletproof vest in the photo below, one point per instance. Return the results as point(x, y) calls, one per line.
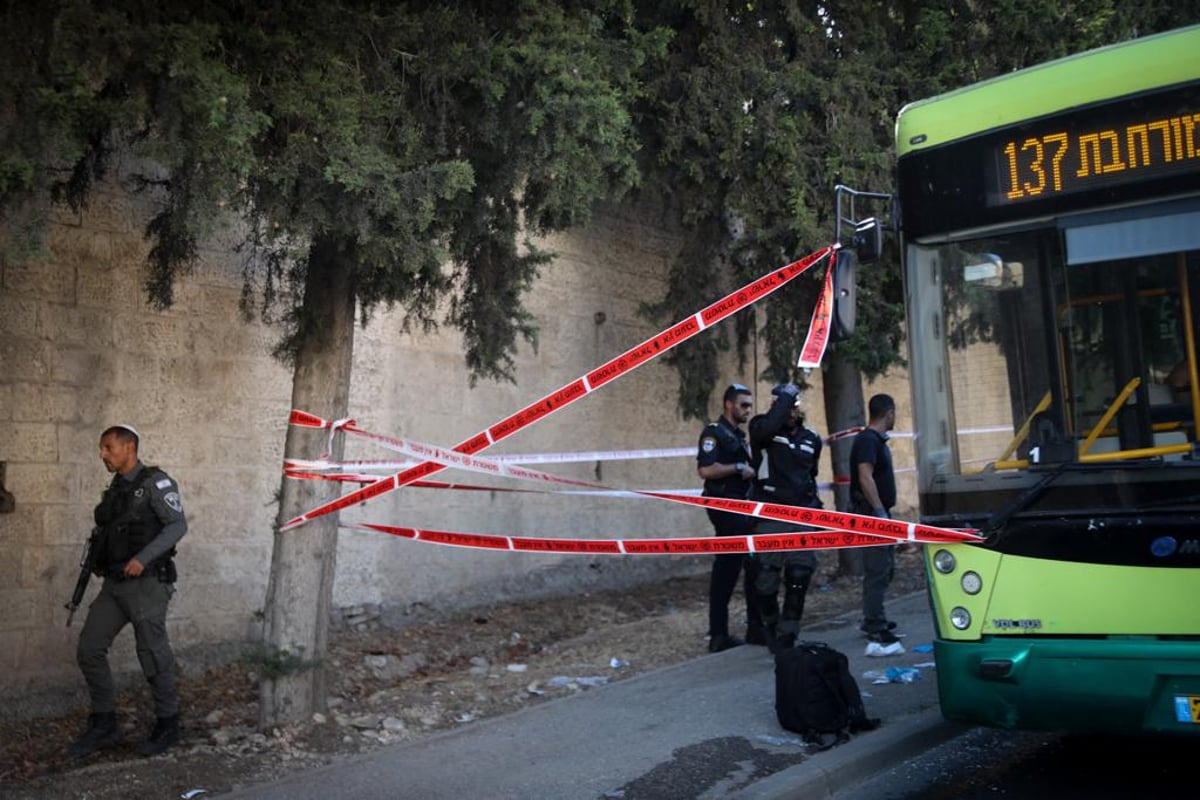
point(786, 467)
point(732, 450)
point(126, 520)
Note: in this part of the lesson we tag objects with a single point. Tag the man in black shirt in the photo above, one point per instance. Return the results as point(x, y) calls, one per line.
point(723, 461)
point(873, 492)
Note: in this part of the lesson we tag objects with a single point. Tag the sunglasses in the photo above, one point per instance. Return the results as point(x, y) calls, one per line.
point(746, 405)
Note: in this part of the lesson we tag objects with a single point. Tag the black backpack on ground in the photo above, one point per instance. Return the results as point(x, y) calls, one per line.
point(816, 697)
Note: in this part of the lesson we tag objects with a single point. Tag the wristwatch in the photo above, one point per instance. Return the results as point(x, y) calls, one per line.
point(739, 466)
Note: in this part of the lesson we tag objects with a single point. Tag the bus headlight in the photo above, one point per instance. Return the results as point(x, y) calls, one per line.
point(971, 582)
point(943, 562)
point(960, 618)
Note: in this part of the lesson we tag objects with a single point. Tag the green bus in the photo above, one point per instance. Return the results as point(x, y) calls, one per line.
point(1049, 224)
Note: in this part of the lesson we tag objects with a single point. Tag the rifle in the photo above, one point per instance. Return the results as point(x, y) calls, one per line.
point(85, 574)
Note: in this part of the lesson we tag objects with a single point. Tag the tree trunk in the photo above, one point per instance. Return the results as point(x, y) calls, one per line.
point(300, 589)
point(843, 409)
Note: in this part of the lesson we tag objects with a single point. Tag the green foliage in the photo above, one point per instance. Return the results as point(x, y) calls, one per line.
point(750, 134)
point(422, 138)
point(535, 95)
point(427, 138)
point(765, 107)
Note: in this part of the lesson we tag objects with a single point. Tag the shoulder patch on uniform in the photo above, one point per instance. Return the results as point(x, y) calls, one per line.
point(172, 500)
point(163, 484)
point(708, 444)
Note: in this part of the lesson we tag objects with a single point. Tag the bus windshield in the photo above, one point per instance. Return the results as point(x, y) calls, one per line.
point(1055, 347)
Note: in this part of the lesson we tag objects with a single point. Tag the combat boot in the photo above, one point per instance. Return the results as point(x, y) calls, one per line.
point(102, 731)
point(165, 734)
point(757, 634)
point(723, 641)
point(782, 643)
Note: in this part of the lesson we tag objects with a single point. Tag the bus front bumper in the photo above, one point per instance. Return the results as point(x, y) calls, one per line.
point(1112, 685)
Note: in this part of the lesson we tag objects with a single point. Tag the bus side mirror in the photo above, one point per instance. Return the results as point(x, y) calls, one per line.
point(844, 295)
point(868, 240)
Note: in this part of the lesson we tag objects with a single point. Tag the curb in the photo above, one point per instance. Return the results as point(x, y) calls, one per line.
point(822, 775)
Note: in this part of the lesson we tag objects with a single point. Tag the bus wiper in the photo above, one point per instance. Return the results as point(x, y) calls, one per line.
point(1023, 501)
point(1172, 501)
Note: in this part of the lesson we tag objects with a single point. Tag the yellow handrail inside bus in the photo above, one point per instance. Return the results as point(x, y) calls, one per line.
point(1093, 299)
point(1108, 415)
point(1141, 452)
point(1118, 455)
point(1157, 427)
point(1023, 431)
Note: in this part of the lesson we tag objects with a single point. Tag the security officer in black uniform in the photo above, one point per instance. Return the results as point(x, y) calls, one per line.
point(141, 519)
point(788, 455)
point(873, 493)
point(723, 461)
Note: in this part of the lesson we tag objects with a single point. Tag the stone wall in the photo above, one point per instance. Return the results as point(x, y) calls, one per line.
point(80, 349)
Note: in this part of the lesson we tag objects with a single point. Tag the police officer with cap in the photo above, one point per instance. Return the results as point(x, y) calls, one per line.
point(788, 455)
point(723, 461)
point(140, 519)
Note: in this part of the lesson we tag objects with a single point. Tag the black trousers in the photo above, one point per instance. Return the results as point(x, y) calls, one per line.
point(725, 571)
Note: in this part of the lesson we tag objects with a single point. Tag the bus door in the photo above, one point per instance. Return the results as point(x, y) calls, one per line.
point(1128, 338)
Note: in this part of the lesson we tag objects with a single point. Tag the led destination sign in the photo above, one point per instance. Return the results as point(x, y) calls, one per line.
point(1124, 150)
point(1061, 157)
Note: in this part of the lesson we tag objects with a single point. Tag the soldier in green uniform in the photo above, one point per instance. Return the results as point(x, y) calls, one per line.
point(141, 520)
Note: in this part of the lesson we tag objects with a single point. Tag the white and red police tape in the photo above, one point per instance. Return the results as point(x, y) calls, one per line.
point(863, 530)
point(626, 362)
point(841, 529)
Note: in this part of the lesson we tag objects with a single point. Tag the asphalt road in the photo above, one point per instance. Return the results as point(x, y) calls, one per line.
point(989, 763)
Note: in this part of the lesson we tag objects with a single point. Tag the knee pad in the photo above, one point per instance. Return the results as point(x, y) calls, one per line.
point(798, 576)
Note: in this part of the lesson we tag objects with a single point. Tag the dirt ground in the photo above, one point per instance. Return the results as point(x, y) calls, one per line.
point(398, 685)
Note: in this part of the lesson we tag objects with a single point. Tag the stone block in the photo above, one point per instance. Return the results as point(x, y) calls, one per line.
point(54, 566)
point(30, 441)
point(61, 214)
point(33, 402)
point(79, 443)
point(11, 653)
point(158, 335)
point(78, 325)
point(82, 366)
point(117, 213)
point(217, 301)
point(41, 278)
point(85, 248)
point(44, 483)
point(25, 360)
point(21, 609)
point(67, 524)
point(18, 316)
point(111, 289)
point(129, 253)
point(23, 527)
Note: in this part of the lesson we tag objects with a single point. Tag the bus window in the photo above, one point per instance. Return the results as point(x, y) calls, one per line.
point(1120, 321)
point(979, 312)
